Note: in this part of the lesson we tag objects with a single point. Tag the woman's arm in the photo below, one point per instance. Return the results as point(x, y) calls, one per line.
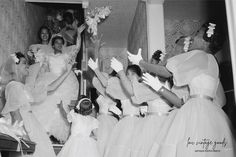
point(171, 97)
point(101, 77)
point(155, 68)
point(55, 84)
point(126, 82)
point(155, 83)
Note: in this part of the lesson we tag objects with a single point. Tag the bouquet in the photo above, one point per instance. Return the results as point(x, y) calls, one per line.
point(95, 16)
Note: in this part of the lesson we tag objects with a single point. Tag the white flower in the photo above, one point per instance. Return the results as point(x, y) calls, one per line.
point(39, 57)
point(210, 30)
point(162, 56)
point(16, 60)
point(187, 43)
point(94, 17)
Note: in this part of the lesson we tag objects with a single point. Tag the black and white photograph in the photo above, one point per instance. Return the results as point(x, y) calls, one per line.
point(117, 78)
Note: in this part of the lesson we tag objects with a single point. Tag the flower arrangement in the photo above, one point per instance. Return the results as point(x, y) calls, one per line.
point(95, 16)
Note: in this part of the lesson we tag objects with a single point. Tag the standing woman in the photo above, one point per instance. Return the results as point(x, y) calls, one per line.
point(200, 127)
point(47, 111)
point(44, 36)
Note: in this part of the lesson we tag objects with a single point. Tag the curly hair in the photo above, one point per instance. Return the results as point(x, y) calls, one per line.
point(216, 40)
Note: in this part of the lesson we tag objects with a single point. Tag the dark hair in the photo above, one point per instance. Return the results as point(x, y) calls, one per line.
point(135, 69)
point(19, 55)
point(57, 37)
point(85, 106)
point(40, 30)
point(113, 73)
point(156, 55)
point(217, 39)
point(180, 40)
point(68, 18)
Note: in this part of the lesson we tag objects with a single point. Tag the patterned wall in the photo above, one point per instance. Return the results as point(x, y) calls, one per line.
point(19, 23)
point(177, 28)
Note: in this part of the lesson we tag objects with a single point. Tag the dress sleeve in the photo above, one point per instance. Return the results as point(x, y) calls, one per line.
point(115, 90)
point(186, 66)
point(70, 116)
point(16, 97)
point(142, 93)
point(95, 124)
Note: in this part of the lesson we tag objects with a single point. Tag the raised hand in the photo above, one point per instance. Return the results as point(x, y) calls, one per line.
point(93, 64)
point(96, 40)
point(81, 28)
point(135, 59)
point(116, 65)
point(153, 82)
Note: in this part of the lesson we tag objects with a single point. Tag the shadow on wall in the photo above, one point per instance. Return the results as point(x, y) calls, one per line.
point(227, 82)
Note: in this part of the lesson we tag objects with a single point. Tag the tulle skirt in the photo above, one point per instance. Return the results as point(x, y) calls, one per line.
point(145, 134)
point(199, 129)
point(38, 135)
point(79, 146)
point(120, 142)
point(106, 125)
point(48, 112)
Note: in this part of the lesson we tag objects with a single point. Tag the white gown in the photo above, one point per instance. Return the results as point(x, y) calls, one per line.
point(199, 128)
point(47, 111)
point(106, 122)
point(19, 97)
point(80, 144)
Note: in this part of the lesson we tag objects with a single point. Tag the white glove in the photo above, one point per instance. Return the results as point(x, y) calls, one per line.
point(167, 85)
point(116, 65)
point(93, 64)
point(153, 82)
point(115, 110)
point(135, 59)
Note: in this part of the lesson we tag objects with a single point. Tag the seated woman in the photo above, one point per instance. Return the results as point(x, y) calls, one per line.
point(47, 112)
point(19, 100)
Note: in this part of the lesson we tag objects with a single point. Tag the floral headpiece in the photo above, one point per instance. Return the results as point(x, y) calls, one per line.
point(14, 57)
point(95, 16)
point(187, 41)
point(162, 56)
point(210, 30)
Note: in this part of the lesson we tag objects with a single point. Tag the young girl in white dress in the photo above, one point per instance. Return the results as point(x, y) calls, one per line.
point(83, 131)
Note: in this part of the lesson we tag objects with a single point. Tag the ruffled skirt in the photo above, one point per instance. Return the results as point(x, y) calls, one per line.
point(199, 129)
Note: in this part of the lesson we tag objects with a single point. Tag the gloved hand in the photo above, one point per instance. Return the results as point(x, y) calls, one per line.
point(153, 82)
point(116, 65)
point(135, 59)
point(93, 64)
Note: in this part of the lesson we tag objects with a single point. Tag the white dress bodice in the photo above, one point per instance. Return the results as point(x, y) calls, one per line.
point(128, 108)
point(158, 106)
point(204, 84)
point(82, 125)
point(57, 63)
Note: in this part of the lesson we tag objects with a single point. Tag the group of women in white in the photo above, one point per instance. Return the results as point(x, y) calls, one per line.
point(183, 119)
